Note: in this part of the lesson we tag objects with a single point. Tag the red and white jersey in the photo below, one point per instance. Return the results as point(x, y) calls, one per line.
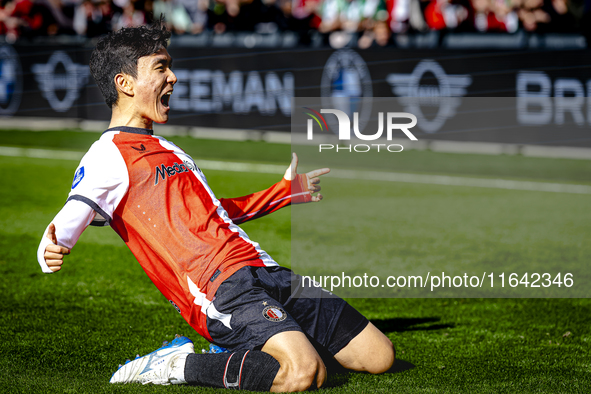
point(156, 198)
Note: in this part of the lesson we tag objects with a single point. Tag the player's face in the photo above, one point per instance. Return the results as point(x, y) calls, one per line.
point(153, 86)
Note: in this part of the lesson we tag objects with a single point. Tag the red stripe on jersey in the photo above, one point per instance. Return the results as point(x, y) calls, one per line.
point(262, 203)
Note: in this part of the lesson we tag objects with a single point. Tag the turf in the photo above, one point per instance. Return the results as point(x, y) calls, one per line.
point(68, 332)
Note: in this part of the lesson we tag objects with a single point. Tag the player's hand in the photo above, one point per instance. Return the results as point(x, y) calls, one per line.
point(312, 177)
point(54, 254)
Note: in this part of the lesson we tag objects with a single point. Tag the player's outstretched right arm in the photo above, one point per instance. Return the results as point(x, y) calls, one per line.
point(62, 234)
point(293, 188)
point(100, 183)
point(54, 254)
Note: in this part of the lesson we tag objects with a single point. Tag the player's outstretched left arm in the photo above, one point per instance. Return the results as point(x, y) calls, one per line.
point(293, 188)
point(310, 181)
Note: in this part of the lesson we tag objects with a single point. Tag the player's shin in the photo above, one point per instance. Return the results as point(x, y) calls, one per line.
point(247, 370)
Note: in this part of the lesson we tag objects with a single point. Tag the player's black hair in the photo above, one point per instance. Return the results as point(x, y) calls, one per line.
point(119, 51)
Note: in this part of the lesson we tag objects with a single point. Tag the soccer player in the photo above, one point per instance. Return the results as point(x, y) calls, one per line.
point(189, 244)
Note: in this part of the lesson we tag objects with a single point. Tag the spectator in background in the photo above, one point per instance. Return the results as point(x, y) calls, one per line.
point(303, 9)
point(342, 22)
point(379, 36)
point(531, 14)
point(235, 15)
point(398, 15)
point(20, 18)
point(249, 15)
point(177, 17)
point(55, 21)
point(129, 16)
point(405, 15)
point(382, 34)
point(93, 18)
point(222, 14)
point(269, 17)
point(197, 11)
point(563, 17)
point(376, 31)
point(495, 15)
point(301, 17)
point(330, 12)
point(443, 14)
point(343, 19)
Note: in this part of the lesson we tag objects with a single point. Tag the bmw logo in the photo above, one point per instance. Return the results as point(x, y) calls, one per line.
point(11, 83)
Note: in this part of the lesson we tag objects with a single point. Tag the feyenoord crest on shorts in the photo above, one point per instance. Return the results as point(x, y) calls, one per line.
point(274, 313)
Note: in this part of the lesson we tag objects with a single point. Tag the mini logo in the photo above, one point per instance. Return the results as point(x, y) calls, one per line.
point(274, 313)
point(142, 148)
point(413, 94)
point(69, 77)
point(11, 84)
point(78, 177)
point(346, 85)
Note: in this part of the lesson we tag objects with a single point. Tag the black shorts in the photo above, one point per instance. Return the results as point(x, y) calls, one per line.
point(258, 302)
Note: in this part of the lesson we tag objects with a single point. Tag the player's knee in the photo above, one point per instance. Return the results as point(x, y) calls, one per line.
point(305, 374)
point(384, 358)
point(304, 377)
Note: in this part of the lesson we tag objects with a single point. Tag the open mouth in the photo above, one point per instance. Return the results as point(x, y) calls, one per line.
point(165, 99)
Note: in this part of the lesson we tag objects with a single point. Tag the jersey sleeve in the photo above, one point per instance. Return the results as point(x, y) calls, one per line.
point(281, 194)
point(101, 180)
point(100, 183)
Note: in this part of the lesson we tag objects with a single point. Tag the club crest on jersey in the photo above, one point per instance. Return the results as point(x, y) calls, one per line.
point(78, 177)
point(274, 313)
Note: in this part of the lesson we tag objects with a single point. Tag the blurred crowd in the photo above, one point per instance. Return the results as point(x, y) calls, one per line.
point(372, 21)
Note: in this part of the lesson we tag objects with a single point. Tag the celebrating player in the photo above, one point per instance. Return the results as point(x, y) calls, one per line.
point(188, 242)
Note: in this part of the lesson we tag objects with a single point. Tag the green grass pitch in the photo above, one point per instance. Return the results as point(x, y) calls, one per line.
point(67, 332)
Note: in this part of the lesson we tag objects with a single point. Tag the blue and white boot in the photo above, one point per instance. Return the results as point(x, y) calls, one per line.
point(163, 366)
